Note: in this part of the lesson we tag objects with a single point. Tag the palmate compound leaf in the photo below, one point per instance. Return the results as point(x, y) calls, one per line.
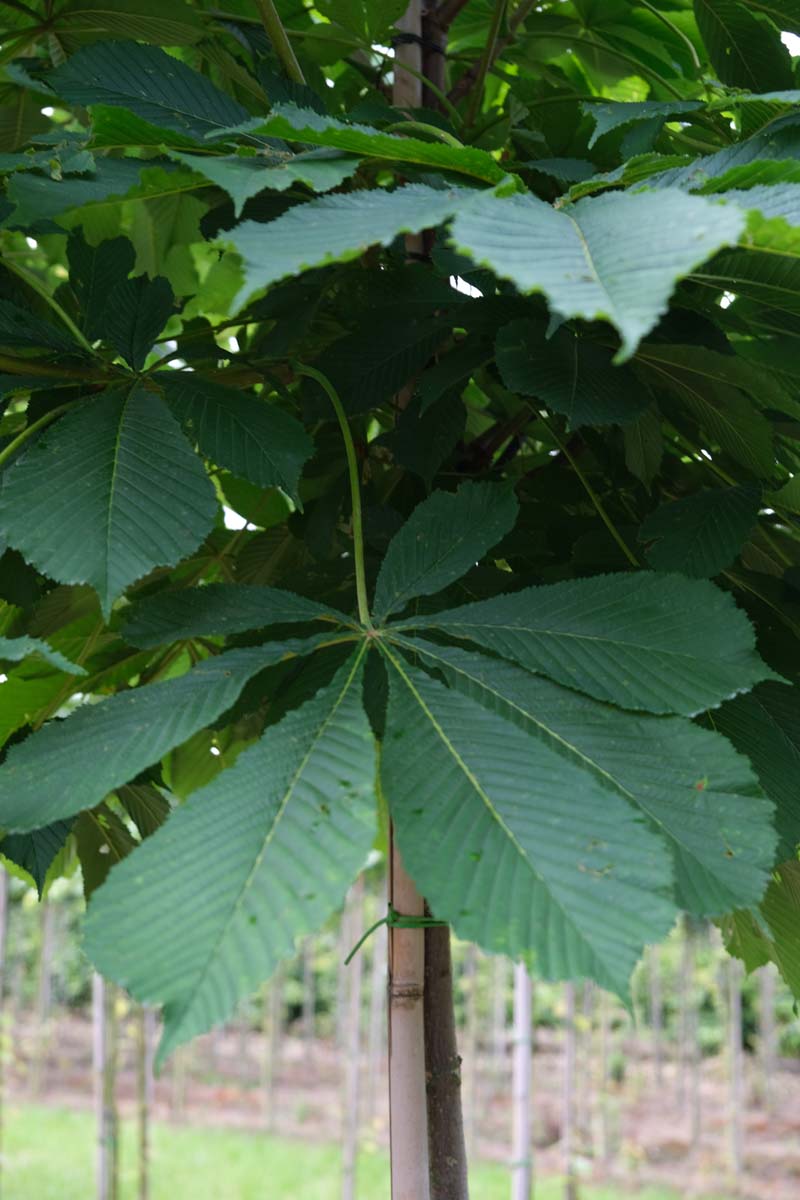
point(119, 465)
point(690, 785)
point(540, 857)
point(660, 643)
point(72, 764)
point(615, 257)
point(257, 858)
point(444, 536)
point(239, 431)
point(219, 610)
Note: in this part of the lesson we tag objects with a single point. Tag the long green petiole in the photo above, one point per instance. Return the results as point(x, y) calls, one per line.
point(8, 451)
point(355, 489)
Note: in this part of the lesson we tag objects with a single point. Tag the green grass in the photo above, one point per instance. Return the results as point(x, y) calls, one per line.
point(49, 1155)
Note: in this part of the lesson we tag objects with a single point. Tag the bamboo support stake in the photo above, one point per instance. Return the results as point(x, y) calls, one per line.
point(521, 1060)
point(408, 1125)
point(446, 1144)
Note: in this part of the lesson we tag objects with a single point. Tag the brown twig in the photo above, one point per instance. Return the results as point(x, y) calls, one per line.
point(469, 77)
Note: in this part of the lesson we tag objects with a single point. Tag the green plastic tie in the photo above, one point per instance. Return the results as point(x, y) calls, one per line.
point(394, 920)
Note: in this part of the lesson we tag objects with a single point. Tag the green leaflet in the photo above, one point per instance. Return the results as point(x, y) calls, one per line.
point(278, 838)
point(35, 852)
point(118, 464)
point(165, 22)
point(17, 648)
point(70, 765)
point(615, 256)
point(102, 840)
point(19, 328)
point(336, 229)
point(304, 125)
point(744, 51)
point(703, 533)
point(149, 83)
point(771, 935)
point(221, 609)
point(765, 725)
point(692, 787)
point(708, 387)
point(237, 430)
point(661, 643)
point(137, 310)
point(613, 114)
point(93, 272)
point(38, 198)
point(441, 540)
point(584, 883)
point(241, 178)
point(569, 374)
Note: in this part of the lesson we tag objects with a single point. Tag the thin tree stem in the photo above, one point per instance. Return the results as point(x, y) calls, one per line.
point(488, 58)
point(8, 451)
point(355, 489)
point(32, 281)
point(273, 27)
point(595, 499)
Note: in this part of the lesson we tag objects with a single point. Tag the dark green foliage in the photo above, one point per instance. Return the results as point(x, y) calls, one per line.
point(557, 319)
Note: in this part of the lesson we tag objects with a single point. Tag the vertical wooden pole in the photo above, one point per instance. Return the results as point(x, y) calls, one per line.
point(521, 1059)
point(272, 1025)
point(736, 1070)
point(3, 1013)
point(408, 1127)
point(375, 1028)
point(104, 1064)
point(354, 925)
point(568, 1115)
point(499, 1009)
point(767, 1034)
point(144, 1095)
point(656, 1015)
point(471, 1073)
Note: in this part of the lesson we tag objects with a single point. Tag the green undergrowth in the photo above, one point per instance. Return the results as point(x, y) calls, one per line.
point(49, 1155)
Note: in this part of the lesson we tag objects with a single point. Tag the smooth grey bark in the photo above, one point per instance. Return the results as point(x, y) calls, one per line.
point(104, 1054)
point(272, 1026)
point(568, 1096)
point(354, 925)
point(447, 1152)
point(767, 1037)
point(145, 1042)
point(521, 1071)
point(3, 1010)
point(735, 1070)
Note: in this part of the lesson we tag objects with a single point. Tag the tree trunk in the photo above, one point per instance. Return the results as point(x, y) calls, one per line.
point(144, 1095)
point(521, 1060)
point(585, 1060)
point(736, 1070)
point(408, 1127)
point(568, 1115)
point(471, 1071)
point(656, 1016)
point(104, 1062)
point(767, 1034)
point(354, 925)
point(446, 1143)
point(272, 1025)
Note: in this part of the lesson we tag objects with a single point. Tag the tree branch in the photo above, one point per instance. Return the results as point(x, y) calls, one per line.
point(280, 42)
point(469, 77)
